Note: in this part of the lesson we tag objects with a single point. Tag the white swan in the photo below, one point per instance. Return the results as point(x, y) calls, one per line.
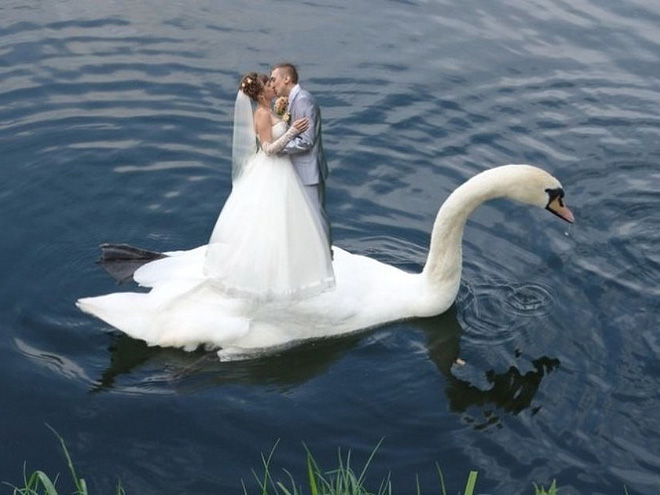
point(183, 310)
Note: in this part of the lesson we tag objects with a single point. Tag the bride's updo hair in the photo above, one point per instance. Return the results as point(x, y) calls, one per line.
point(252, 84)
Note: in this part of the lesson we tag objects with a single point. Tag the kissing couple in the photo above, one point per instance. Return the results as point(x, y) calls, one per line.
point(271, 241)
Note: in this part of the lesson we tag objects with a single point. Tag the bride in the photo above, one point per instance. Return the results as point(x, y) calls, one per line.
point(268, 242)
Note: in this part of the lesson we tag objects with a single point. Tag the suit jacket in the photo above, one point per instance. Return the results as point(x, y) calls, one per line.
point(306, 149)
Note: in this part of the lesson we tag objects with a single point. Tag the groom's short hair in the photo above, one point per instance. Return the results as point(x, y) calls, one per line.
point(290, 70)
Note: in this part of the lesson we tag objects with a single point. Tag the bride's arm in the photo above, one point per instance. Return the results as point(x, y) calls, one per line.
point(264, 131)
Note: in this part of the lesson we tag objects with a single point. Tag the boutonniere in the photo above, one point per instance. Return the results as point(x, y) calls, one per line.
point(280, 107)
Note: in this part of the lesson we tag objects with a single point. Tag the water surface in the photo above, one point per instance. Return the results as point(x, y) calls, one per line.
point(115, 125)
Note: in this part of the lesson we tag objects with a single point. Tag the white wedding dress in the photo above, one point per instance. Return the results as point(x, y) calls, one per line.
point(269, 242)
point(268, 248)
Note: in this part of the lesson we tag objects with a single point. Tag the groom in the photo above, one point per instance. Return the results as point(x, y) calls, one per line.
point(306, 149)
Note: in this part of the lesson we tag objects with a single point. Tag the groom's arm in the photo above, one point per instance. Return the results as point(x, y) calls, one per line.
point(304, 142)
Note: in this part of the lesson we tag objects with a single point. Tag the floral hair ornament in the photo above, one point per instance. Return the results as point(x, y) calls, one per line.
point(245, 83)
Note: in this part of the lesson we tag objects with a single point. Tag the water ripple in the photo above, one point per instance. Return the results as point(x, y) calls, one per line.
point(493, 312)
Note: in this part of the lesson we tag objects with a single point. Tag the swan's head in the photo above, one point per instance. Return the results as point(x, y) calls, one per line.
point(537, 187)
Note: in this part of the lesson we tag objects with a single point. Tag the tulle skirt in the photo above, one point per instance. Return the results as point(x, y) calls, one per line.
point(268, 241)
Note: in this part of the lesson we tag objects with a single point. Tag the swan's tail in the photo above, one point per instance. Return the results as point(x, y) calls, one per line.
point(121, 260)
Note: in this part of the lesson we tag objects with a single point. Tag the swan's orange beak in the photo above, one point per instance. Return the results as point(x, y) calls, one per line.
point(558, 207)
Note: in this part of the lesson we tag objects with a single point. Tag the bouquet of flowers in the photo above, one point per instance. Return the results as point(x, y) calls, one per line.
point(280, 108)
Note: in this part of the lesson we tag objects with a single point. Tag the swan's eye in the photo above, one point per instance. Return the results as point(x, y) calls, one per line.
point(555, 194)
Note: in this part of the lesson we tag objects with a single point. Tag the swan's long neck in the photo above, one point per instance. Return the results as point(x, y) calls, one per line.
point(444, 262)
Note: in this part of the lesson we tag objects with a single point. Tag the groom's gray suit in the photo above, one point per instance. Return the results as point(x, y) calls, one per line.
point(306, 150)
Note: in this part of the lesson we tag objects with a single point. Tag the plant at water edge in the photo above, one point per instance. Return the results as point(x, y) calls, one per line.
point(39, 483)
point(340, 481)
point(540, 490)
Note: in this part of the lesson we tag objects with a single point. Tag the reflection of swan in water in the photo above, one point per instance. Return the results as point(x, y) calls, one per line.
point(182, 310)
point(200, 370)
point(512, 391)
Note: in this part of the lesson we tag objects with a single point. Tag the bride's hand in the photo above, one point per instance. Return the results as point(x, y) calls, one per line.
point(301, 125)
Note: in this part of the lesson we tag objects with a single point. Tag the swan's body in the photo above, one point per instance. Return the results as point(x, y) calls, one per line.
point(184, 310)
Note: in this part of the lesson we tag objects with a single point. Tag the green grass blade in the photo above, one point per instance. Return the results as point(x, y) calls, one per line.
point(442, 479)
point(262, 485)
point(46, 482)
point(81, 486)
point(285, 490)
point(294, 488)
point(267, 479)
point(540, 490)
point(312, 468)
point(386, 485)
point(471, 483)
point(366, 466)
point(31, 483)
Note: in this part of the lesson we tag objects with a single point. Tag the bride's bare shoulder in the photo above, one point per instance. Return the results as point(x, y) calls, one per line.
point(261, 116)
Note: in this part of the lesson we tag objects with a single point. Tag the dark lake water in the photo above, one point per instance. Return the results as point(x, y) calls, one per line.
point(115, 125)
